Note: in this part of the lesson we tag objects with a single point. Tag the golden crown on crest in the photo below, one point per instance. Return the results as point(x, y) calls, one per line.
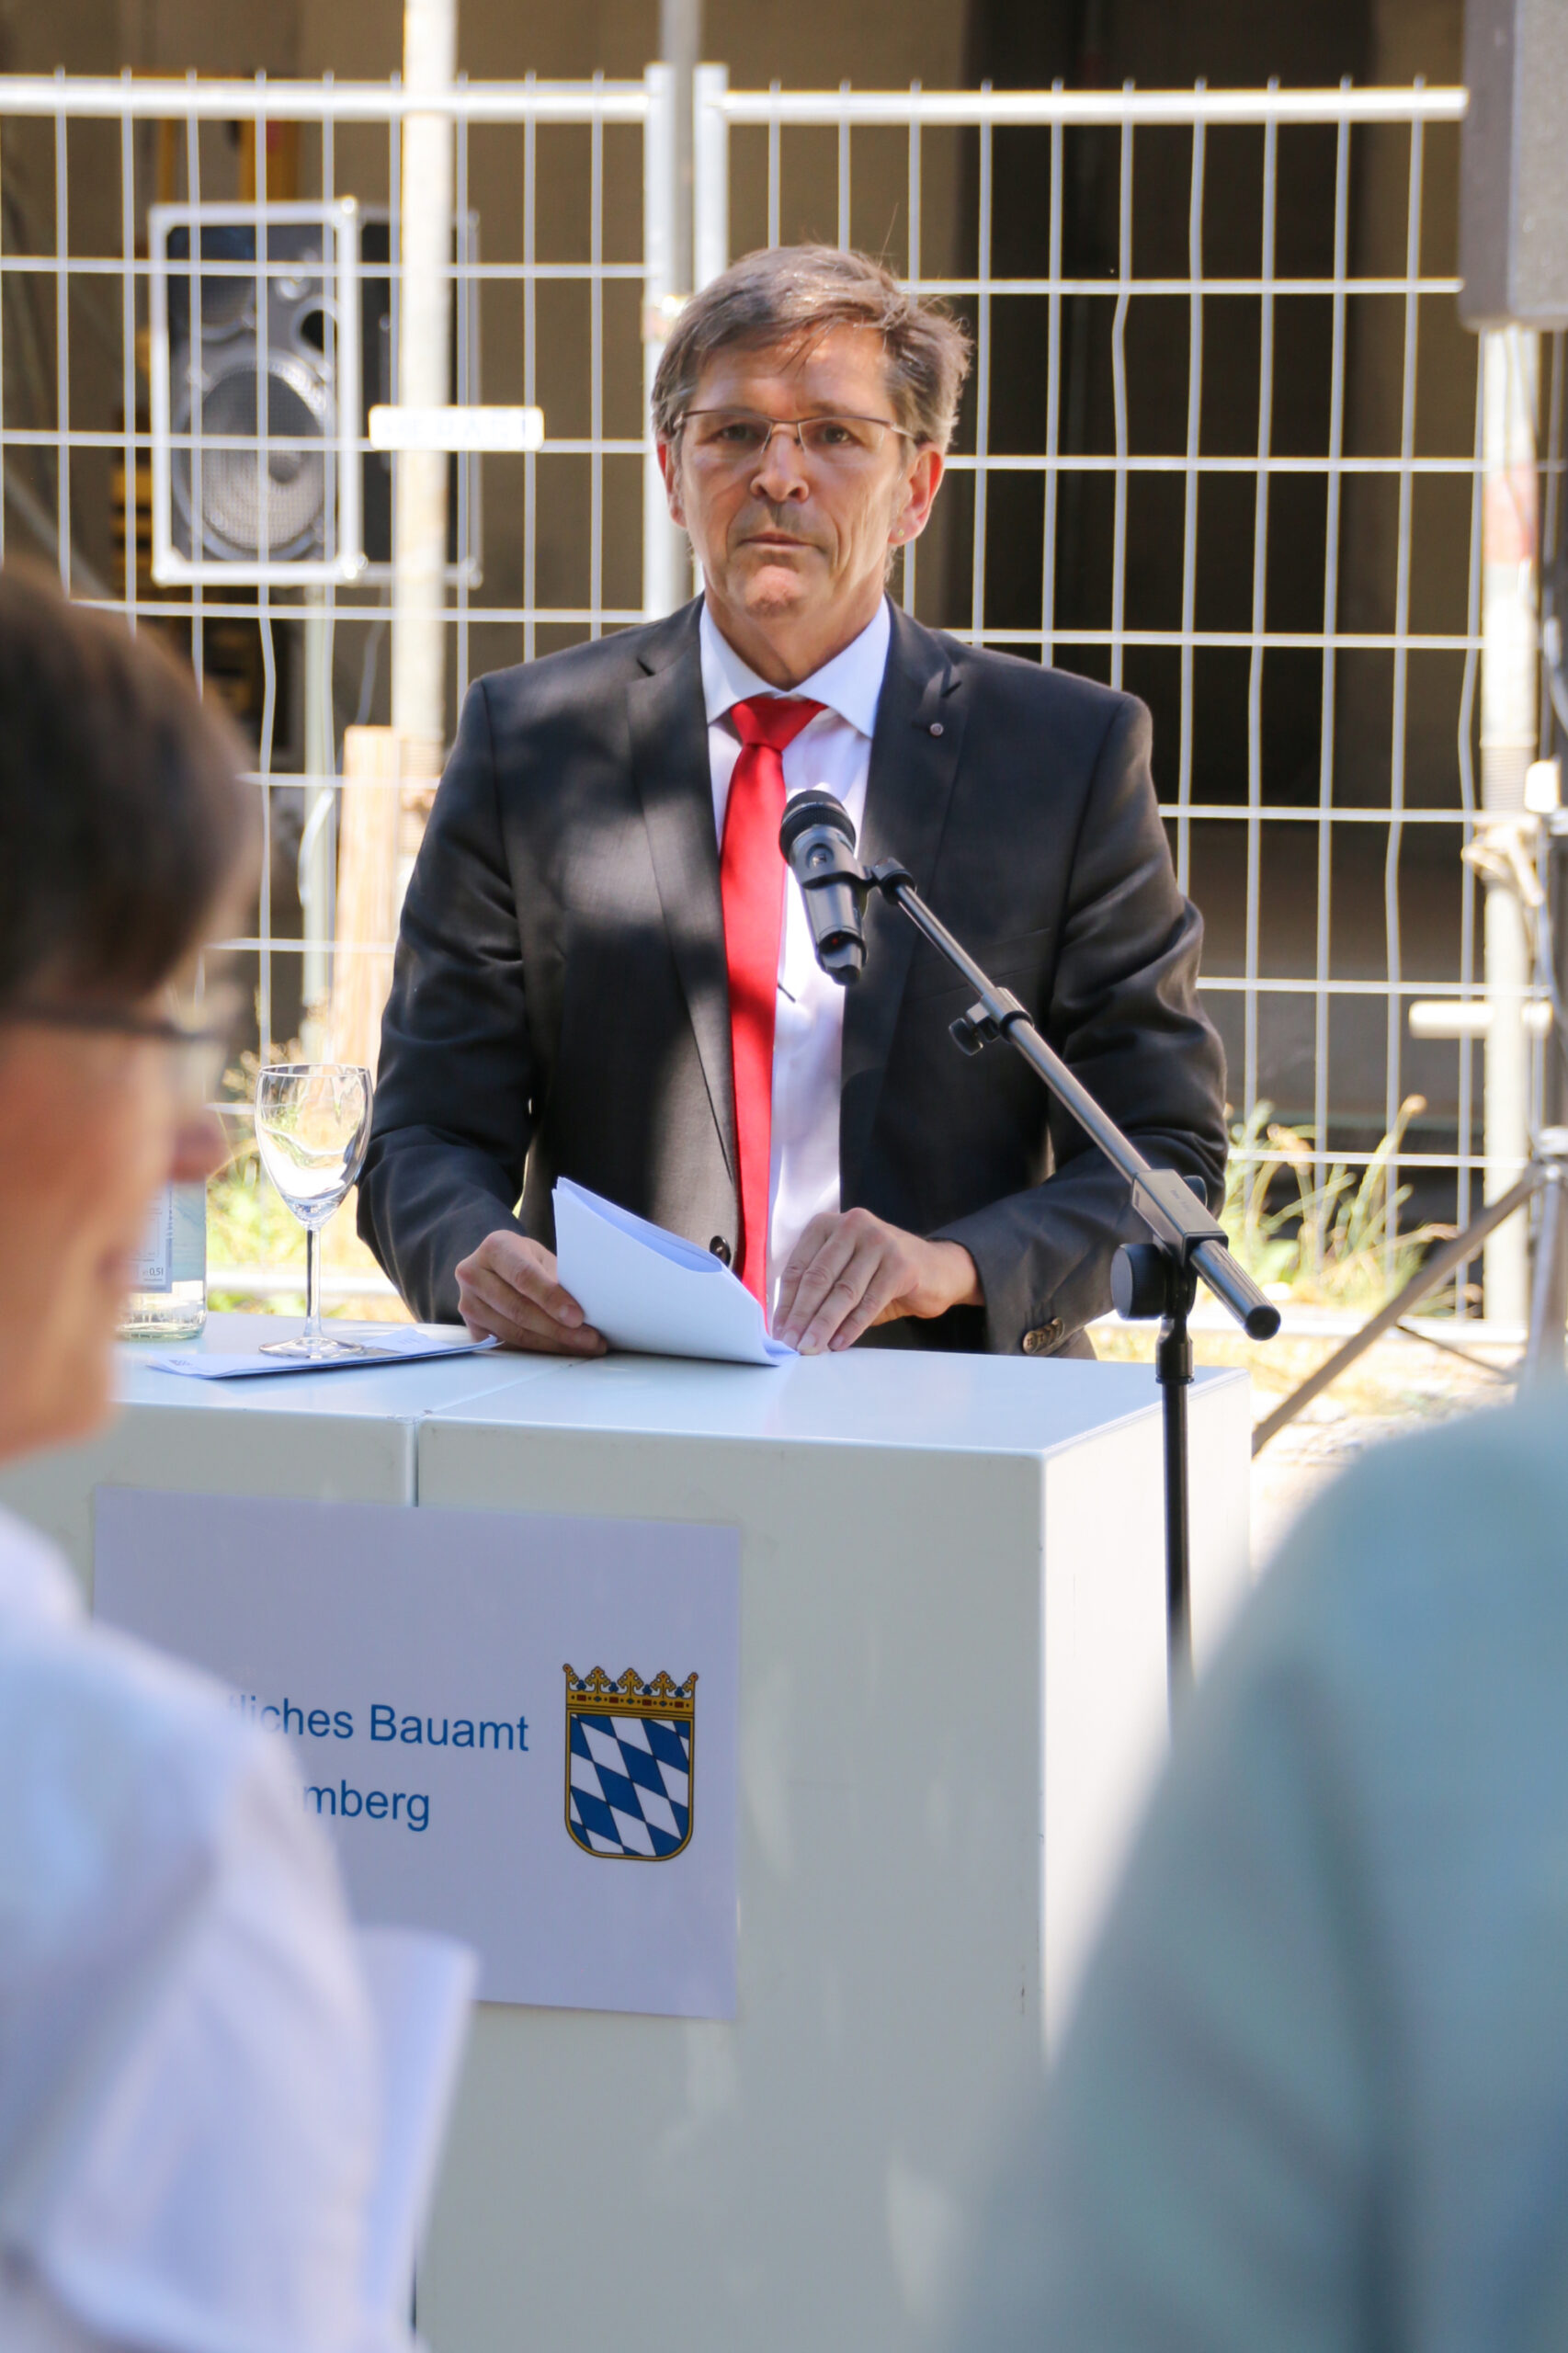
point(599, 1694)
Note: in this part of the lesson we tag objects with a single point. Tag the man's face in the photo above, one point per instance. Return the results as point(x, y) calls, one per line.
point(791, 545)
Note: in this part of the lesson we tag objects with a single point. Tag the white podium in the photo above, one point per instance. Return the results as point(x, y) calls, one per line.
point(952, 1696)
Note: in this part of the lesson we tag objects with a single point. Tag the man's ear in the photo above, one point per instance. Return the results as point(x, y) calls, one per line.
point(922, 483)
point(669, 467)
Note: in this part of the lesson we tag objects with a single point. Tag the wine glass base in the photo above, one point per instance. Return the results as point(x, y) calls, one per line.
point(323, 1351)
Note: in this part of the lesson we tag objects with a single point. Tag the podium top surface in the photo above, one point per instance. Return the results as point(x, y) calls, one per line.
point(863, 1397)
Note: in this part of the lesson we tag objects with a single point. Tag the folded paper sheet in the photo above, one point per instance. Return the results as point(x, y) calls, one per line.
point(648, 1290)
point(386, 1344)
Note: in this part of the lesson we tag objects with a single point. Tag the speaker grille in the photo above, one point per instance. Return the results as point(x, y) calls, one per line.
point(287, 491)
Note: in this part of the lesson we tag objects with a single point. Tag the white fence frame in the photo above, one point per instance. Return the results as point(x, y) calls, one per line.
point(718, 110)
point(189, 103)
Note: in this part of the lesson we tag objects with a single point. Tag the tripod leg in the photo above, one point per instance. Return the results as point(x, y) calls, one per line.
point(1548, 1287)
point(1441, 1263)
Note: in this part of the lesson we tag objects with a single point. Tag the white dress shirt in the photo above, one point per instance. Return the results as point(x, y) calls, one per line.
point(190, 2080)
point(833, 750)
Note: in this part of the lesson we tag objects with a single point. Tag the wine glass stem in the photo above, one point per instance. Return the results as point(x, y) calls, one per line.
point(312, 1284)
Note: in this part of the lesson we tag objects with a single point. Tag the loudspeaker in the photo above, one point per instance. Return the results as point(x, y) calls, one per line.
point(256, 397)
point(1514, 164)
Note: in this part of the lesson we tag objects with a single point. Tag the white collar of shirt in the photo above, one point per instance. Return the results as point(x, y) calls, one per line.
point(850, 685)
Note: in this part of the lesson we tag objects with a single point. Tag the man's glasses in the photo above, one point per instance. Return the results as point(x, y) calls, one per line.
point(738, 438)
point(197, 1032)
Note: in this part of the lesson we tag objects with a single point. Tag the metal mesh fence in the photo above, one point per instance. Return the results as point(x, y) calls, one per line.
point(1220, 447)
point(548, 276)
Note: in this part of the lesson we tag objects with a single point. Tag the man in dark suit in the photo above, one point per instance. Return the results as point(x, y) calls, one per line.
point(602, 975)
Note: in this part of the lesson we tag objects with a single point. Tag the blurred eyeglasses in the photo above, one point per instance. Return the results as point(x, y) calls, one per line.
point(199, 1032)
point(737, 438)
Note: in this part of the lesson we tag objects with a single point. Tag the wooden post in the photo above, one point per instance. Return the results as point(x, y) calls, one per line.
point(387, 781)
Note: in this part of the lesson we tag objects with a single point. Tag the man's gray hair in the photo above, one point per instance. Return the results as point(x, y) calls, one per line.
point(791, 296)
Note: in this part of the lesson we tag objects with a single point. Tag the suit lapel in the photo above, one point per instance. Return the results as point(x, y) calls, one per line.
point(669, 757)
point(914, 757)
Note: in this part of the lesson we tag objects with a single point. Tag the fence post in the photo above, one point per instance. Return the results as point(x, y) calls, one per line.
point(424, 250)
point(375, 760)
point(1510, 364)
point(318, 838)
point(666, 575)
point(710, 175)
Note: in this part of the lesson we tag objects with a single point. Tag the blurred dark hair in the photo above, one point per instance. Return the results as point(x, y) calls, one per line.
point(791, 296)
point(122, 819)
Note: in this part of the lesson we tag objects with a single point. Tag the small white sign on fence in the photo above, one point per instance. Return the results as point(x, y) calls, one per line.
point(520, 1730)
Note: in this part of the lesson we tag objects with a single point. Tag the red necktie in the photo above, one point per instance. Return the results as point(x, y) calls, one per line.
point(751, 877)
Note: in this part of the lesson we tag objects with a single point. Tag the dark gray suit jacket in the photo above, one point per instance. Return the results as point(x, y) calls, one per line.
point(559, 1007)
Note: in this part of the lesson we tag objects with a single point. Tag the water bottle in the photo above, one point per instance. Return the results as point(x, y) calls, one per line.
point(168, 1295)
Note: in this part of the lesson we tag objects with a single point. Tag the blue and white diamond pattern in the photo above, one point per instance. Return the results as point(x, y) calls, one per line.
point(631, 1785)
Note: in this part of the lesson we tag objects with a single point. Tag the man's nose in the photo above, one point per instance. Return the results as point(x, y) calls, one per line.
point(781, 470)
point(198, 1149)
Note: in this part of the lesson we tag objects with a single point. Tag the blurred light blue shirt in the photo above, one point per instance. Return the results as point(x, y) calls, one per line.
point(1317, 2092)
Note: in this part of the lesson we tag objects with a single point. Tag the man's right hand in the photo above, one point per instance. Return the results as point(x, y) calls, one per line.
point(508, 1290)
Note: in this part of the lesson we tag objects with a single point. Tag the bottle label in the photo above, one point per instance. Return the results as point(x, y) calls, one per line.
point(153, 1269)
point(188, 1235)
point(174, 1246)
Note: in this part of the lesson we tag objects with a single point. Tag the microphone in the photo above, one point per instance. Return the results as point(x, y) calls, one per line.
point(817, 840)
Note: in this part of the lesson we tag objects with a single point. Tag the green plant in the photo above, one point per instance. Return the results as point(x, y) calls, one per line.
point(1335, 1244)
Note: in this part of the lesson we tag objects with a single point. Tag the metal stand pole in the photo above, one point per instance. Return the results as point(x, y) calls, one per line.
point(1510, 370)
point(318, 834)
point(1158, 1277)
point(667, 559)
point(1548, 1287)
point(423, 342)
point(1173, 1371)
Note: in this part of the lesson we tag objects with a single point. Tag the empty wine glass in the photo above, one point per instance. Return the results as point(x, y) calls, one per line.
point(312, 1122)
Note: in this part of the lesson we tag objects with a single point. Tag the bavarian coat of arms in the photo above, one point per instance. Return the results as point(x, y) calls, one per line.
point(629, 1764)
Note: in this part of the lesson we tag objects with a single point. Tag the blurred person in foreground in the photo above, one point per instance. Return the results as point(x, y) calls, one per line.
point(1315, 2095)
point(188, 2081)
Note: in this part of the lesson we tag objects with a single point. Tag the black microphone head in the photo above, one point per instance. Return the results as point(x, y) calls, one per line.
point(816, 806)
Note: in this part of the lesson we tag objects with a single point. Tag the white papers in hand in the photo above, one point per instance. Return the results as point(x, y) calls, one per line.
point(421, 1988)
point(645, 1289)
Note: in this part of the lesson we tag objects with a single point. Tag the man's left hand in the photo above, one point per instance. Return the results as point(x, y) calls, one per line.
point(850, 1270)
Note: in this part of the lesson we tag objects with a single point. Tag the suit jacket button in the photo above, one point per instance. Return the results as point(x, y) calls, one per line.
point(719, 1249)
point(1044, 1338)
point(935, 727)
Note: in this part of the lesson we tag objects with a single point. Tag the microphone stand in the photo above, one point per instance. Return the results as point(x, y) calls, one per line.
point(1158, 1277)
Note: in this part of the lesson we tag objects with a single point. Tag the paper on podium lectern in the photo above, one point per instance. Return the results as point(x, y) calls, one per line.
point(648, 1290)
point(383, 1343)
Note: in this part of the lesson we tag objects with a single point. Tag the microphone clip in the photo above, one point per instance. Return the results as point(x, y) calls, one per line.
point(817, 841)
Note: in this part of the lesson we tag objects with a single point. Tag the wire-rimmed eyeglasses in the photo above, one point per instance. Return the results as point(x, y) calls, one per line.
point(741, 437)
point(199, 1034)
